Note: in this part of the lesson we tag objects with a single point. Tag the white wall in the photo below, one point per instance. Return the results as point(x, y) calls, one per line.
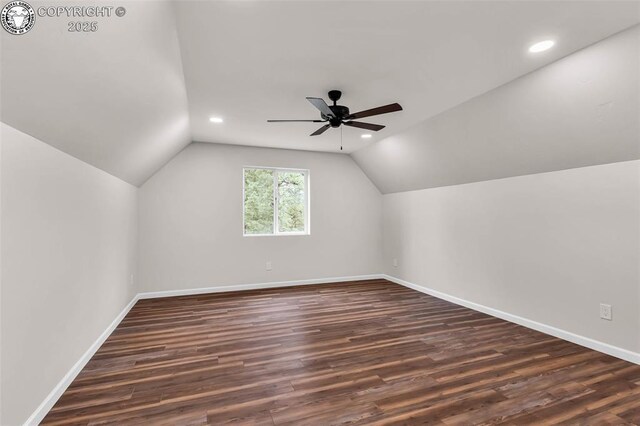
point(579, 111)
point(551, 226)
point(190, 233)
point(68, 251)
point(547, 247)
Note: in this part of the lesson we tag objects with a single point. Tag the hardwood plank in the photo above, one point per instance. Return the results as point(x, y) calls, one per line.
point(365, 352)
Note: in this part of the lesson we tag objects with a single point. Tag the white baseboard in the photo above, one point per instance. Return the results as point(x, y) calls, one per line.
point(59, 389)
point(46, 405)
point(255, 286)
point(596, 345)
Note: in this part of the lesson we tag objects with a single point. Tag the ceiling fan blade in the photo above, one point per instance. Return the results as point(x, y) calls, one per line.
point(361, 125)
point(296, 121)
point(376, 111)
point(321, 130)
point(322, 106)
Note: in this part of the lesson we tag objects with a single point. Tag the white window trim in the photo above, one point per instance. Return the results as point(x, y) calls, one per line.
point(307, 202)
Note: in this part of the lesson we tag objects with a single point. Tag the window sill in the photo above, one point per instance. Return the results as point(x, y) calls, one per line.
point(289, 234)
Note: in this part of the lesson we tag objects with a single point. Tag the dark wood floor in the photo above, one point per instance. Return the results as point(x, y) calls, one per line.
point(364, 352)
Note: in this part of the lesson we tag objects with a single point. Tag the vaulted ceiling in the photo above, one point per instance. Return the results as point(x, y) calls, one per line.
point(582, 110)
point(114, 98)
point(129, 96)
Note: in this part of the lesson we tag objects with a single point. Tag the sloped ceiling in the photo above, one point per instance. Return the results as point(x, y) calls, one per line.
point(114, 98)
point(582, 110)
point(134, 93)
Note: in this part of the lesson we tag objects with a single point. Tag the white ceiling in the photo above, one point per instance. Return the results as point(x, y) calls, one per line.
point(114, 98)
point(253, 61)
point(118, 98)
point(582, 110)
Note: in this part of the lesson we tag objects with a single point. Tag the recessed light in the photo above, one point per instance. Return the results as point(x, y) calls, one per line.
point(366, 136)
point(216, 120)
point(542, 46)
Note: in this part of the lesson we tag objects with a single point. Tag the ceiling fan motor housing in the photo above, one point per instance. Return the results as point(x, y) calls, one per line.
point(340, 112)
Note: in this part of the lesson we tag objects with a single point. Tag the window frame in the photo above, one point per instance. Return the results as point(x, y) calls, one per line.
point(307, 202)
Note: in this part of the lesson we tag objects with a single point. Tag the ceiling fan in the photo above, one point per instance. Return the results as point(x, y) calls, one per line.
point(337, 115)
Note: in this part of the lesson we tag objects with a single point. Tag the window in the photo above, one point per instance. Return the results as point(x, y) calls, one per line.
point(276, 201)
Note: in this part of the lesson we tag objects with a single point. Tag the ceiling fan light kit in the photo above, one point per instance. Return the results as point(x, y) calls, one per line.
point(336, 115)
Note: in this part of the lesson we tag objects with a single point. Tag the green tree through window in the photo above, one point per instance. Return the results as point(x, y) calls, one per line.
point(258, 201)
point(290, 202)
point(286, 205)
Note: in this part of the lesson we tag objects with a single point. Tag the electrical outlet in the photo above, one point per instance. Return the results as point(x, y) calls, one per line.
point(269, 267)
point(605, 311)
point(395, 263)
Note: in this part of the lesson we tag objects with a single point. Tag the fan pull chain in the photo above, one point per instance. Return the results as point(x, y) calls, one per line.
point(340, 138)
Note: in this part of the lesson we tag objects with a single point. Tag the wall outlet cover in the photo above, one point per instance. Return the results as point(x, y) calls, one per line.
point(605, 311)
point(269, 267)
